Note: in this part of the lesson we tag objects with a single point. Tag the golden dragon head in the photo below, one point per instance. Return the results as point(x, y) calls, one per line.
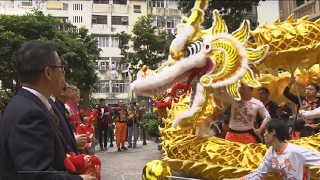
point(219, 59)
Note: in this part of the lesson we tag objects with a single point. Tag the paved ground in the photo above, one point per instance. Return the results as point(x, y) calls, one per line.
point(126, 165)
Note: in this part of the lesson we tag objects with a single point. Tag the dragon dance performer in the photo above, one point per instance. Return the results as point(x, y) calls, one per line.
point(121, 116)
point(309, 102)
point(241, 128)
point(290, 161)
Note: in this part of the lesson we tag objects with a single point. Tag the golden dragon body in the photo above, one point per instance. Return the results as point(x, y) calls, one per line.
point(222, 61)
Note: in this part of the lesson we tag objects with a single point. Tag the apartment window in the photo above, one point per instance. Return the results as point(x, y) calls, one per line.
point(26, 3)
point(125, 66)
point(61, 25)
point(137, 8)
point(65, 6)
point(299, 2)
point(103, 41)
point(172, 3)
point(114, 41)
point(104, 87)
point(122, 2)
point(99, 19)
point(102, 65)
point(120, 86)
point(97, 64)
point(114, 65)
point(77, 7)
point(119, 20)
point(170, 24)
point(77, 19)
point(157, 22)
point(107, 64)
point(100, 1)
point(125, 75)
point(158, 3)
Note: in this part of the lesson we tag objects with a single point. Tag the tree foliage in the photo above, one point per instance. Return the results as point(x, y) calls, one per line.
point(232, 11)
point(145, 45)
point(76, 47)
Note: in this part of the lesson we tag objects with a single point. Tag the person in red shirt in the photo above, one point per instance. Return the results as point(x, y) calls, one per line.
point(103, 123)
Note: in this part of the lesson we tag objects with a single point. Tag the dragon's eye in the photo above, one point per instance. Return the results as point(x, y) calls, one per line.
point(194, 48)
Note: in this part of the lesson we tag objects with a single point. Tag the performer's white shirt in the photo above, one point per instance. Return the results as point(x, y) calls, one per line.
point(250, 109)
point(292, 163)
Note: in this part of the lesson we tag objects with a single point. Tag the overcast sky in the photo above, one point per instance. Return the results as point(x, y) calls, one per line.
point(268, 11)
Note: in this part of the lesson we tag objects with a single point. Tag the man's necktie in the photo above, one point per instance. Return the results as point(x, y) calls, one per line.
point(57, 103)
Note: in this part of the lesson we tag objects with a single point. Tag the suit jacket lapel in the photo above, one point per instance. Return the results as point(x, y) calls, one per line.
point(26, 93)
point(54, 107)
point(62, 112)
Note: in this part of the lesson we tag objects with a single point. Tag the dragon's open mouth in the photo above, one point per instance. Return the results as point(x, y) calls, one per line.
point(159, 83)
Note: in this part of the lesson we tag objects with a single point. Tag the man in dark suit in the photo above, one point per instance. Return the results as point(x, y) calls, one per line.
point(31, 146)
point(81, 140)
point(103, 123)
point(64, 123)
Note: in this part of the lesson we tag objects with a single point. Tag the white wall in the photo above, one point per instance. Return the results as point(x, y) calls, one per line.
point(268, 11)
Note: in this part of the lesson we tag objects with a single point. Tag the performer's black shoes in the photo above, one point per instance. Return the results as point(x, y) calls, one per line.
point(124, 148)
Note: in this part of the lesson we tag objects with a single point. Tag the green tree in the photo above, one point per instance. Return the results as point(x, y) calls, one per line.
point(232, 11)
point(147, 46)
point(76, 47)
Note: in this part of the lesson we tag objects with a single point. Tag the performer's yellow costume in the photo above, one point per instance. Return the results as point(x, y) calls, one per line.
point(222, 61)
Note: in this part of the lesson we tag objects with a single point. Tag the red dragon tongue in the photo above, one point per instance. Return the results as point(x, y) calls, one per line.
point(191, 77)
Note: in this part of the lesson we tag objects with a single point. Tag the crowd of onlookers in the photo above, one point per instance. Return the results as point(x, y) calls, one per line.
point(121, 121)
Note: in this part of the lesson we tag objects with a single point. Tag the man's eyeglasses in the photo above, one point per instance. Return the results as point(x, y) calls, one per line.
point(73, 90)
point(61, 67)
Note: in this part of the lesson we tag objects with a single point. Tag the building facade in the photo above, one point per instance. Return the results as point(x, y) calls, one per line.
point(299, 8)
point(104, 19)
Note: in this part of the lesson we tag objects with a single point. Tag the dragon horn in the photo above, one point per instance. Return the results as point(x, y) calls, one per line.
point(196, 17)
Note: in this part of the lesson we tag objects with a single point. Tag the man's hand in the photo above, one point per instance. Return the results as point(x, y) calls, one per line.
point(92, 137)
point(303, 113)
point(86, 177)
point(292, 80)
point(257, 132)
point(86, 118)
point(81, 140)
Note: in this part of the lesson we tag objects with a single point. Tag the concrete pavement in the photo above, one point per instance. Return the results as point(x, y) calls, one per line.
point(126, 165)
